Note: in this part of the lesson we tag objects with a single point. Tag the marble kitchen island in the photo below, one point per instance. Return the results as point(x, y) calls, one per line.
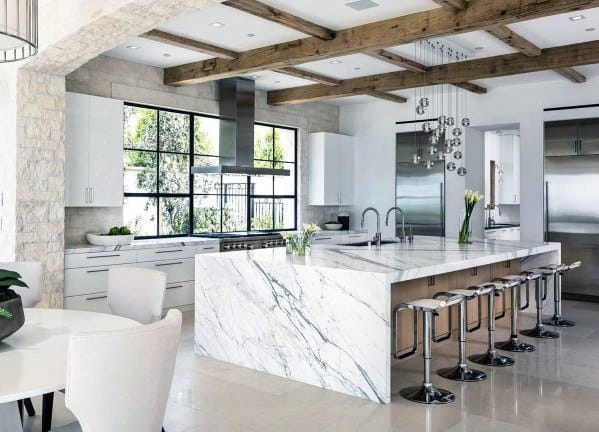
point(325, 319)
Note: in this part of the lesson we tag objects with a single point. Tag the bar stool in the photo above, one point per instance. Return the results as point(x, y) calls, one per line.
point(491, 357)
point(557, 319)
point(426, 393)
point(540, 276)
point(460, 372)
point(515, 282)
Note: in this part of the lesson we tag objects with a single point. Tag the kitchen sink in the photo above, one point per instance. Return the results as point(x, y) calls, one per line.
point(367, 243)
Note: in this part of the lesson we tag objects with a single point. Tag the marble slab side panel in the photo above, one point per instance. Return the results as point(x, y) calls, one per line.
point(325, 327)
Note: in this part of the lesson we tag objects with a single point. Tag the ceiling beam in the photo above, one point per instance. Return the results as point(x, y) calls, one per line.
point(455, 5)
point(491, 67)
point(190, 44)
point(471, 87)
point(572, 75)
point(281, 17)
point(299, 73)
point(480, 14)
point(395, 59)
point(513, 39)
point(387, 96)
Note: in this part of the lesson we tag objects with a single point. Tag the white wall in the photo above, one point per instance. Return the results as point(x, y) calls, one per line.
point(373, 126)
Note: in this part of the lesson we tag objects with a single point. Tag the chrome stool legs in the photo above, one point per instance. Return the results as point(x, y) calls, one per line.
point(557, 320)
point(513, 344)
point(491, 357)
point(427, 393)
point(539, 330)
point(462, 371)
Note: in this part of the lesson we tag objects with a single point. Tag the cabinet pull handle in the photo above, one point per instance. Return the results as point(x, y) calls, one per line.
point(356, 235)
point(104, 256)
point(97, 271)
point(96, 298)
point(169, 251)
point(323, 238)
point(174, 286)
point(86, 198)
point(167, 264)
point(91, 195)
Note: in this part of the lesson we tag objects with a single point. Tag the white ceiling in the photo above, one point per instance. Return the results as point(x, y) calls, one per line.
point(545, 32)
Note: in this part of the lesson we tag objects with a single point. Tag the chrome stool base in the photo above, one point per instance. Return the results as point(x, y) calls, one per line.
point(540, 333)
point(559, 322)
point(514, 345)
point(462, 373)
point(491, 358)
point(427, 395)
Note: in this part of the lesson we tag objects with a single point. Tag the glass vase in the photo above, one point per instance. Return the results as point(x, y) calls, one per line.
point(465, 231)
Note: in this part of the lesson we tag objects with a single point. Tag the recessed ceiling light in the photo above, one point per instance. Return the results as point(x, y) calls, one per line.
point(217, 24)
point(577, 17)
point(590, 29)
point(335, 62)
point(357, 68)
point(134, 47)
point(277, 82)
point(361, 5)
point(251, 35)
point(479, 48)
point(166, 55)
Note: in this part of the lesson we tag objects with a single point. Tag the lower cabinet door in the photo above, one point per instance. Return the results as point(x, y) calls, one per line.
point(97, 302)
point(179, 294)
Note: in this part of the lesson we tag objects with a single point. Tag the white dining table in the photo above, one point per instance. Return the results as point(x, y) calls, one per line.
point(33, 361)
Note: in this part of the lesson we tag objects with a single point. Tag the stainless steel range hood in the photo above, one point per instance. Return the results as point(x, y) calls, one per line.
point(237, 111)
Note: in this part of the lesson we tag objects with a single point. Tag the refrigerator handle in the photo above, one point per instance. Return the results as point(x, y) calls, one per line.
point(442, 204)
point(546, 211)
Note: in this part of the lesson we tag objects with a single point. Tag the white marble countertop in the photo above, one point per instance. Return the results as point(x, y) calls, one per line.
point(425, 257)
point(141, 244)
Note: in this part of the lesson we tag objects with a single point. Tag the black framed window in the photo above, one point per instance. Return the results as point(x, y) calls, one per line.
point(163, 199)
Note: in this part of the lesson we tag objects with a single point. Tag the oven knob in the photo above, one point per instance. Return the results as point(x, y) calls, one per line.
point(264, 245)
point(226, 247)
point(244, 246)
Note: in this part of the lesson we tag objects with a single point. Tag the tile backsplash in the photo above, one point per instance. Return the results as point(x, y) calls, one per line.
point(82, 220)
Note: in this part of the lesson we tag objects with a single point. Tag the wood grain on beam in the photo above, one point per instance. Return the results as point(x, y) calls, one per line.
point(386, 96)
point(471, 87)
point(395, 59)
point(299, 73)
point(513, 39)
point(572, 75)
point(190, 44)
point(281, 17)
point(455, 5)
point(491, 67)
point(439, 22)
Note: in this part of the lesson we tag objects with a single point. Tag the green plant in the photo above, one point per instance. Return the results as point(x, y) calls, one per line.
point(471, 198)
point(114, 231)
point(125, 230)
point(7, 279)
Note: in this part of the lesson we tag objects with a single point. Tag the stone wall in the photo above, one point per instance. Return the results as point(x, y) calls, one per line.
point(114, 78)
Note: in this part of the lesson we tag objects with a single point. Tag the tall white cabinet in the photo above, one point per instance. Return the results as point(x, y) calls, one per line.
point(331, 169)
point(94, 151)
point(509, 157)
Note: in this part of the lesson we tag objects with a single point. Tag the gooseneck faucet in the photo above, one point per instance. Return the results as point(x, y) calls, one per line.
point(377, 236)
point(402, 237)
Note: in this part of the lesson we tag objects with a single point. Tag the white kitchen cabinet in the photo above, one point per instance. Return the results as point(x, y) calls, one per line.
point(94, 151)
point(508, 192)
point(331, 169)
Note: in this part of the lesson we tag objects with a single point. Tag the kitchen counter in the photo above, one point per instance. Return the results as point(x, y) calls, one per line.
point(325, 319)
point(141, 244)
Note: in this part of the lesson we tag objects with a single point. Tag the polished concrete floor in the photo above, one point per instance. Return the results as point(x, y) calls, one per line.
point(555, 388)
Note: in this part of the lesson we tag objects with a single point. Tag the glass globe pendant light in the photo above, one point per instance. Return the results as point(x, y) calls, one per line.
point(18, 30)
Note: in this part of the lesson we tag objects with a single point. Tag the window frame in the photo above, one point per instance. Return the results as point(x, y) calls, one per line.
point(191, 194)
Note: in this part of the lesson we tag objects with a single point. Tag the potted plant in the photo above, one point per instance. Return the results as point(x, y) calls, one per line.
point(12, 316)
point(300, 243)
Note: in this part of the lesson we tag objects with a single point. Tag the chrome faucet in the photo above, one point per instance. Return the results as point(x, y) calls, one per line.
point(490, 218)
point(377, 236)
point(402, 237)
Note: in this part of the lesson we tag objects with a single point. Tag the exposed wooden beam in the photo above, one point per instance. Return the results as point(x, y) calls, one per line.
point(513, 39)
point(281, 17)
point(455, 5)
point(395, 59)
point(299, 73)
point(387, 96)
point(479, 14)
point(471, 87)
point(511, 64)
point(190, 44)
point(572, 75)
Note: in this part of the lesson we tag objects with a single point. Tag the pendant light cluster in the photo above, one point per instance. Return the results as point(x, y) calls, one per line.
point(446, 104)
point(18, 30)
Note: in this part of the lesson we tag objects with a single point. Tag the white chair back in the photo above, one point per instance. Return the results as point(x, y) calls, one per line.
point(32, 273)
point(136, 293)
point(120, 380)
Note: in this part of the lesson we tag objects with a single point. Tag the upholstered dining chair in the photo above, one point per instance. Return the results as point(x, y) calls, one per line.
point(136, 293)
point(120, 380)
point(32, 273)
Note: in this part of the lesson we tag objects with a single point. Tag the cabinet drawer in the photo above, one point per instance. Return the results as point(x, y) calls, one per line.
point(99, 259)
point(181, 270)
point(179, 294)
point(171, 253)
point(207, 248)
point(97, 302)
point(81, 281)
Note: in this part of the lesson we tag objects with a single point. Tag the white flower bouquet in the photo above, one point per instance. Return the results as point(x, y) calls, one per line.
point(471, 198)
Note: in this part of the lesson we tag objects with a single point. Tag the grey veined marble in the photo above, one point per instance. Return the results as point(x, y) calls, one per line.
point(323, 319)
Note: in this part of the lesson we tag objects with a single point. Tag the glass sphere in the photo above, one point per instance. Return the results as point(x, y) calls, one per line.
point(450, 121)
point(451, 166)
point(457, 155)
point(424, 102)
point(426, 127)
point(462, 171)
point(457, 142)
point(465, 122)
point(420, 110)
point(432, 150)
point(448, 149)
point(415, 159)
point(442, 120)
point(442, 128)
point(433, 139)
point(457, 132)
point(440, 156)
point(428, 164)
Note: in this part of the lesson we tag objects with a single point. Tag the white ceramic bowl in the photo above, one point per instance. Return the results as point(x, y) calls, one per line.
point(333, 227)
point(110, 240)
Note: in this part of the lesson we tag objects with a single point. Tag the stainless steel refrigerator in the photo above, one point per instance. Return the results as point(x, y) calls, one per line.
point(419, 191)
point(572, 201)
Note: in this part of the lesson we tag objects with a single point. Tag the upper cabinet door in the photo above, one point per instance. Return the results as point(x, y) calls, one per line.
point(588, 136)
point(77, 150)
point(345, 169)
point(106, 152)
point(561, 138)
